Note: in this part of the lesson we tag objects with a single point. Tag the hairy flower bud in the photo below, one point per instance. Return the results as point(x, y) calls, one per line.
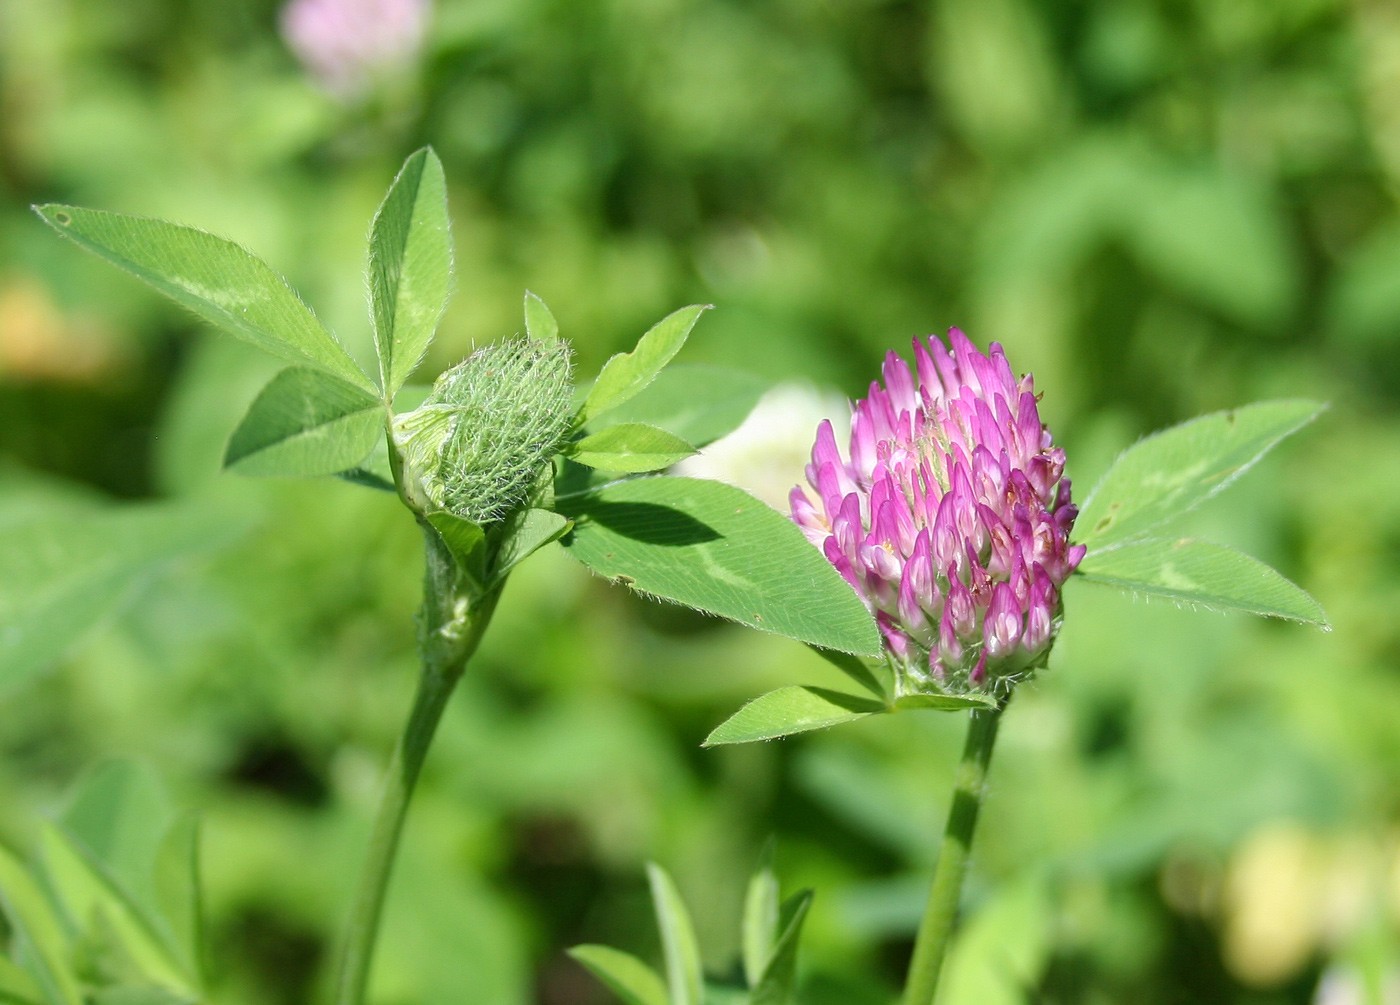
point(482, 437)
point(951, 518)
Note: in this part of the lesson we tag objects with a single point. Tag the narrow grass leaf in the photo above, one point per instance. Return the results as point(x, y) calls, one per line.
point(717, 549)
point(789, 710)
point(779, 978)
point(303, 424)
point(1167, 474)
point(683, 973)
point(1196, 572)
point(410, 267)
point(623, 974)
point(760, 924)
point(36, 927)
point(627, 373)
point(220, 281)
point(630, 447)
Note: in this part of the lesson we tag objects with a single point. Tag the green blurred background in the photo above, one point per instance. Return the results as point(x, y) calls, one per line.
point(1161, 207)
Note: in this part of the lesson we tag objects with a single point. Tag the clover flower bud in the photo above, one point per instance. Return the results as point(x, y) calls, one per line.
point(486, 432)
point(951, 517)
point(349, 44)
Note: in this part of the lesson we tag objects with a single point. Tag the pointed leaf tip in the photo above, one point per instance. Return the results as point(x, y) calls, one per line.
point(1198, 572)
point(220, 281)
point(628, 373)
point(410, 266)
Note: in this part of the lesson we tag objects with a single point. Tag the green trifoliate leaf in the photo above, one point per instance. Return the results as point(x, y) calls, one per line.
point(697, 402)
point(717, 549)
point(306, 423)
point(791, 710)
point(221, 282)
point(531, 531)
point(684, 977)
point(374, 470)
point(1196, 572)
point(761, 909)
point(1167, 474)
point(60, 574)
point(623, 974)
point(627, 373)
point(410, 267)
point(539, 320)
point(35, 926)
point(486, 433)
point(630, 447)
point(776, 985)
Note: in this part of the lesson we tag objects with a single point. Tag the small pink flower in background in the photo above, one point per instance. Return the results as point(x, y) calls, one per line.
point(950, 517)
point(347, 45)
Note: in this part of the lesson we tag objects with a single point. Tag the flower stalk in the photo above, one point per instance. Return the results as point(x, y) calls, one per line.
point(451, 625)
point(931, 943)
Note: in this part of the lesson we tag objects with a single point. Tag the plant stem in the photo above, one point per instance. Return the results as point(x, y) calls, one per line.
point(449, 630)
point(931, 945)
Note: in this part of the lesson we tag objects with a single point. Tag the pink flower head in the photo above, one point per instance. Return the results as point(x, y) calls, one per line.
point(348, 44)
point(950, 516)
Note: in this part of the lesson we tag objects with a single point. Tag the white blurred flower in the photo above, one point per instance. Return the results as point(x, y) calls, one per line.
point(349, 45)
point(1344, 986)
point(768, 453)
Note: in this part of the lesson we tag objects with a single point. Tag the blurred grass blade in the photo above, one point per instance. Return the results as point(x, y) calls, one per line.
point(223, 283)
point(791, 710)
point(17, 987)
point(623, 974)
point(630, 447)
point(1197, 572)
point(539, 320)
point(179, 899)
point(683, 973)
point(61, 574)
point(410, 267)
point(1168, 473)
point(780, 976)
point(123, 827)
point(695, 401)
point(853, 667)
point(627, 373)
point(718, 549)
point(109, 913)
point(35, 927)
point(761, 907)
point(534, 529)
point(1001, 951)
point(303, 424)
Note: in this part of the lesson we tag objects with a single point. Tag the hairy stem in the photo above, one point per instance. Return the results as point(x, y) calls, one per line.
point(449, 630)
point(931, 945)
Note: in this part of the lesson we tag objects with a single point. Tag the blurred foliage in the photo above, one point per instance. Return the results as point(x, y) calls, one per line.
point(1160, 206)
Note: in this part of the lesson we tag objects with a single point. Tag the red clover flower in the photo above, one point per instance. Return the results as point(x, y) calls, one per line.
point(951, 517)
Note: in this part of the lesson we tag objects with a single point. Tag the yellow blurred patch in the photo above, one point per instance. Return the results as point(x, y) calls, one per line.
point(38, 341)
